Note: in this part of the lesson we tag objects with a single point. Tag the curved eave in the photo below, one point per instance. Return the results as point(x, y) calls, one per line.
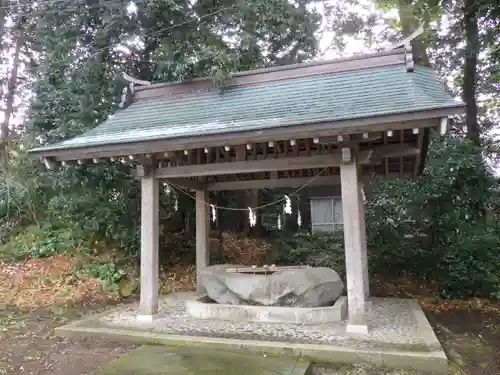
point(421, 119)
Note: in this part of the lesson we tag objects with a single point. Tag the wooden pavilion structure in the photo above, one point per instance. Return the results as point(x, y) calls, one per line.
point(337, 120)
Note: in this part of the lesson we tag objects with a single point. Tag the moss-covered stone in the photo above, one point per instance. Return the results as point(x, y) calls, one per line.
point(162, 360)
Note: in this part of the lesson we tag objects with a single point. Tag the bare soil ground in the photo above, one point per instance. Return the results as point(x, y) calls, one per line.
point(471, 340)
point(28, 346)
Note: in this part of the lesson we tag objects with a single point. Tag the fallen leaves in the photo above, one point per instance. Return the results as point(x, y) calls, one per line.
point(45, 282)
point(474, 304)
point(427, 294)
point(53, 282)
point(177, 278)
point(404, 287)
point(238, 249)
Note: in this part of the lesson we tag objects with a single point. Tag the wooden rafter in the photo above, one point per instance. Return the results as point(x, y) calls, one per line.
point(373, 124)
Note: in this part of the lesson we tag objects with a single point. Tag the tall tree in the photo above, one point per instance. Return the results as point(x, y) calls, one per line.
point(12, 84)
point(470, 24)
point(84, 46)
point(16, 53)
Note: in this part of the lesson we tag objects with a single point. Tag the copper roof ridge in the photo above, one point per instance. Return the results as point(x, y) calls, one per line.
point(283, 68)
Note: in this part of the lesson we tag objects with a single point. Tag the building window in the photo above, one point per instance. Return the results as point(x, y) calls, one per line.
point(326, 215)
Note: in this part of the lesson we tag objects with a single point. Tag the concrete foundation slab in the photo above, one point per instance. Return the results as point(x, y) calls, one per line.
point(203, 308)
point(399, 334)
point(159, 360)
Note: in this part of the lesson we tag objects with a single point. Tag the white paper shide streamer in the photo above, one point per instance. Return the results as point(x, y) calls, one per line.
point(288, 205)
point(299, 219)
point(279, 222)
point(213, 212)
point(252, 216)
point(176, 203)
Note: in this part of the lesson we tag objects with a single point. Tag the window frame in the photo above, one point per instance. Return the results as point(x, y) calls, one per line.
point(333, 224)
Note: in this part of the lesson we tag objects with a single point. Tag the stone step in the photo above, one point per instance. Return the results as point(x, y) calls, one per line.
point(164, 360)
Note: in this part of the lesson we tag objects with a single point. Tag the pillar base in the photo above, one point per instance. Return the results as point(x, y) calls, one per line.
point(145, 318)
point(357, 328)
point(200, 290)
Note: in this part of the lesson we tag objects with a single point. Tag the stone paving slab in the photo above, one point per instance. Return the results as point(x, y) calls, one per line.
point(391, 322)
point(162, 360)
point(399, 334)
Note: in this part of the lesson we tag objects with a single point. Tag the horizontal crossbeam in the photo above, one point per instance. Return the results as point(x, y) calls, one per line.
point(292, 163)
point(274, 183)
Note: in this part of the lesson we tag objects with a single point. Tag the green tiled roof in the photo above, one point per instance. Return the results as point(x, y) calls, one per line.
point(322, 98)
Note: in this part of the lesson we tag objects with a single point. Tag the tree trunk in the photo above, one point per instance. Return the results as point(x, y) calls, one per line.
point(3, 13)
point(11, 93)
point(469, 80)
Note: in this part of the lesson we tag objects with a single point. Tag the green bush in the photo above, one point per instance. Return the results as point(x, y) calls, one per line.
point(465, 263)
point(41, 242)
point(442, 226)
point(470, 264)
point(109, 274)
point(311, 250)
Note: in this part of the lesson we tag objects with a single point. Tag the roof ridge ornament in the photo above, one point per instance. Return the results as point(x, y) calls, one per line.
point(125, 100)
point(406, 44)
point(135, 81)
point(410, 65)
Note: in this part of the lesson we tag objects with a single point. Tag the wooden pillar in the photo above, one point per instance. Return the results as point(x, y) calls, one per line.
point(364, 249)
point(149, 247)
point(355, 246)
point(202, 233)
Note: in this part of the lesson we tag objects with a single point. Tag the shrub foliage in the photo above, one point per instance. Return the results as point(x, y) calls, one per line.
point(442, 226)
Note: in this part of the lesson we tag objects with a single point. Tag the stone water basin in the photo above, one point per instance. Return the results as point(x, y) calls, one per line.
point(205, 308)
point(289, 294)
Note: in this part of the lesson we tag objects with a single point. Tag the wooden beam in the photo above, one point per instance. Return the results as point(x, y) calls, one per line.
point(49, 163)
point(148, 305)
point(353, 139)
point(202, 235)
point(406, 41)
point(401, 158)
point(143, 170)
point(273, 183)
point(241, 153)
point(355, 247)
point(443, 127)
point(294, 182)
point(386, 161)
point(271, 165)
point(392, 150)
point(134, 80)
point(418, 158)
point(187, 183)
point(182, 182)
point(251, 166)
